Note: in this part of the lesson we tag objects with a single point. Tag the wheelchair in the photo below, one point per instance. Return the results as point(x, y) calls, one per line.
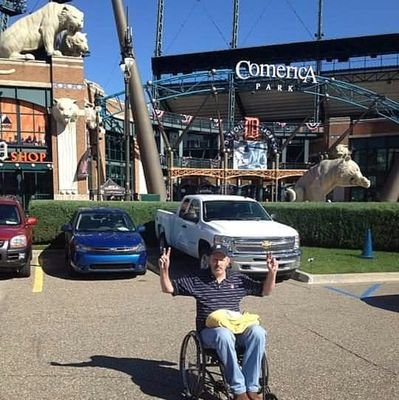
point(203, 374)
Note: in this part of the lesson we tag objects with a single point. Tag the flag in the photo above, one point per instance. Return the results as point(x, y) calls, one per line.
point(313, 126)
point(186, 119)
point(83, 166)
point(157, 114)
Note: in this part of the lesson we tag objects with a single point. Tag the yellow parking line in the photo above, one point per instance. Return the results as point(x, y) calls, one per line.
point(38, 282)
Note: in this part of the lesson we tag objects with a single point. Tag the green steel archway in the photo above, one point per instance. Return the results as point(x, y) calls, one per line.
point(219, 81)
point(206, 82)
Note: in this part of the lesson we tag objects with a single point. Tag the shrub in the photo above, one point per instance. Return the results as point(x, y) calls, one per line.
point(340, 225)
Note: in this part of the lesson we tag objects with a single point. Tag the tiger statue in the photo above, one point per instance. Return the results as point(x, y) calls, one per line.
point(73, 45)
point(65, 110)
point(38, 30)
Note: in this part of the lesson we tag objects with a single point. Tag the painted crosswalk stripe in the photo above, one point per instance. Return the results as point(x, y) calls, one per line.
point(38, 282)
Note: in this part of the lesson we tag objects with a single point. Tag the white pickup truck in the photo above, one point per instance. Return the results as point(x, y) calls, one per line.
point(239, 223)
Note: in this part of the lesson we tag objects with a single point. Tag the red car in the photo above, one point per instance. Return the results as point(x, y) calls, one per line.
point(15, 237)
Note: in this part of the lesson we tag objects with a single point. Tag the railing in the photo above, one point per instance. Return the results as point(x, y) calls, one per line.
point(193, 162)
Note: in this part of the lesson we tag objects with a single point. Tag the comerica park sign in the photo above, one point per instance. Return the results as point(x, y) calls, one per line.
point(246, 69)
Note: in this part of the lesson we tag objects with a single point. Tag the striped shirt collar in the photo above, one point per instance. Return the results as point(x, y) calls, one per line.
point(212, 277)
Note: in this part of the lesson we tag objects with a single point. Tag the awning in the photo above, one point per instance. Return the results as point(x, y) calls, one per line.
point(111, 188)
point(39, 167)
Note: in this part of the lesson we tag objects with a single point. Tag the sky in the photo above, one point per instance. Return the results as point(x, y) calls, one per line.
point(206, 25)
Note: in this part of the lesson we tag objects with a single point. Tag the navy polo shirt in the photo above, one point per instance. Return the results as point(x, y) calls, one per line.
point(211, 295)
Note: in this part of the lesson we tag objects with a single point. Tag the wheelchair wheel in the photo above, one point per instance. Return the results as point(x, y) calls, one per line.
point(264, 378)
point(264, 381)
point(192, 365)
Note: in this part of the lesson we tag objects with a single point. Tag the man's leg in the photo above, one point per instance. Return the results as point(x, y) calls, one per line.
point(223, 341)
point(253, 340)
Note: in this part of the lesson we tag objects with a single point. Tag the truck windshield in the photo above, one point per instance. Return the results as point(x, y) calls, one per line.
point(9, 215)
point(234, 211)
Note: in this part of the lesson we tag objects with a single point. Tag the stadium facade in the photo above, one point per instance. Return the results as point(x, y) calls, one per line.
point(263, 115)
point(241, 120)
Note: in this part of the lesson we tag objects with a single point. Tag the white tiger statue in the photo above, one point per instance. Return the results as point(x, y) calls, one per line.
point(341, 151)
point(324, 177)
point(65, 110)
point(92, 119)
point(75, 45)
point(39, 29)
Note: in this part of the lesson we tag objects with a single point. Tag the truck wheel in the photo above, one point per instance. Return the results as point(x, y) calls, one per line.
point(204, 258)
point(163, 244)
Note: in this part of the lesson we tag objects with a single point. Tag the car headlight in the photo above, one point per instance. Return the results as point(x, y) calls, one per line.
point(296, 242)
point(18, 242)
point(225, 241)
point(138, 248)
point(82, 247)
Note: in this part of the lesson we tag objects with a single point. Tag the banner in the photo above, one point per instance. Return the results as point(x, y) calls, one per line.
point(250, 155)
point(83, 166)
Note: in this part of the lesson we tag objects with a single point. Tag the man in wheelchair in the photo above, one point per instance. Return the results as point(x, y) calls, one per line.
point(219, 290)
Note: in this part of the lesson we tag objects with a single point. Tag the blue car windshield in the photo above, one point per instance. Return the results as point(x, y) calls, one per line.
point(100, 222)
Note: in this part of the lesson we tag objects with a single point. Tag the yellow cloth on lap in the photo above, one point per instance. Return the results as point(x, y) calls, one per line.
point(232, 320)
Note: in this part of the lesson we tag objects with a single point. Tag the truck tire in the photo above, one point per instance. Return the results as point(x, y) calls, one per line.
point(204, 257)
point(163, 244)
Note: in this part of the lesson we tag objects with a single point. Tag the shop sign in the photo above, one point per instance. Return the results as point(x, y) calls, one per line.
point(246, 69)
point(25, 156)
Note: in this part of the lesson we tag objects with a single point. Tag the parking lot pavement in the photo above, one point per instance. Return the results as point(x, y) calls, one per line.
point(119, 338)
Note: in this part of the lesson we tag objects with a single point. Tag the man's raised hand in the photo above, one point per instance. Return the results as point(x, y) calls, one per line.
point(272, 263)
point(164, 259)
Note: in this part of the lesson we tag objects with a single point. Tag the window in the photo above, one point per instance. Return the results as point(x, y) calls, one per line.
point(22, 123)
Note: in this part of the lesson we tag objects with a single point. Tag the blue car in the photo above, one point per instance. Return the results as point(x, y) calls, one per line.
point(104, 240)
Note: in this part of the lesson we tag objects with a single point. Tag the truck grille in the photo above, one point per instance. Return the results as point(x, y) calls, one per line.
point(254, 246)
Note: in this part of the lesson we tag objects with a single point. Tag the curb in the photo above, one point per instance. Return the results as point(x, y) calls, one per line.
point(347, 278)
point(298, 276)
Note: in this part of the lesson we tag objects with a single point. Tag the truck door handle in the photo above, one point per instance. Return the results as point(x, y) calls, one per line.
point(184, 226)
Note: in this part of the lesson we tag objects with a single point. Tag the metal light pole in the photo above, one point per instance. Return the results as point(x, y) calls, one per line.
point(276, 172)
point(133, 152)
point(145, 135)
point(126, 128)
point(99, 174)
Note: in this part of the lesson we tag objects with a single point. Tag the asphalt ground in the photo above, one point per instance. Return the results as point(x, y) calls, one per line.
point(118, 337)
